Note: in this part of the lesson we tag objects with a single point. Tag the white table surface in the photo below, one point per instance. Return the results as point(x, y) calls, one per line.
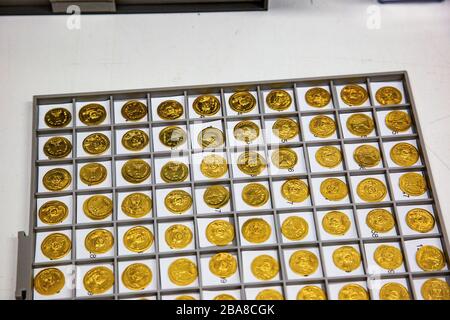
point(295, 38)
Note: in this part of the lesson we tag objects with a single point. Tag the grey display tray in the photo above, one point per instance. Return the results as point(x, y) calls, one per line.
point(27, 242)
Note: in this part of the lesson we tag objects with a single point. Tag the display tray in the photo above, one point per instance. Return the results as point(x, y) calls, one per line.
point(358, 217)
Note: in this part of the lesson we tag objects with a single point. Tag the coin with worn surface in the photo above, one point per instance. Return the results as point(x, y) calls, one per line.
point(371, 190)
point(137, 276)
point(347, 258)
point(53, 212)
point(388, 257)
point(269, 294)
point(430, 258)
point(278, 100)
point(98, 207)
point(242, 102)
point(206, 105)
point(138, 239)
point(285, 128)
point(99, 241)
point(211, 138)
point(367, 156)
point(92, 114)
point(185, 297)
point(135, 140)
point(398, 121)
point(182, 272)
point(284, 158)
point(178, 236)
point(216, 196)
point(333, 189)
point(328, 156)
point(136, 205)
point(93, 173)
point(420, 220)
point(214, 166)
point(311, 293)
point(96, 143)
point(413, 184)
point(404, 154)
point(178, 201)
point(388, 95)
point(354, 95)
point(336, 223)
point(303, 262)
point(223, 265)
point(170, 110)
point(220, 232)
point(435, 289)
point(172, 136)
point(255, 194)
point(295, 190)
point(394, 291)
point(360, 124)
point(380, 220)
point(136, 170)
point(57, 179)
point(294, 228)
point(98, 280)
point(49, 281)
point(246, 131)
point(251, 163)
point(224, 296)
point(317, 97)
point(322, 126)
point(264, 267)
point(57, 118)
point(174, 171)
point(57, 147)
point(353, 291)
point(256, 230)
point(133, 110)
point(56, 246)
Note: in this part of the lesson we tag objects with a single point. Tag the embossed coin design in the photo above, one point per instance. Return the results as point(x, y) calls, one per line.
point(136, 205)
point(336, 223)
point(56, 246)
point(303, 262)
point(256, 230)
point(328, 156)
point(388, 257)
point(367, 156)
point(174, 171)
point(49, 281)
point(413, 184)
point(346, 258)
point(92, 114)
point(137, 276)
point(404, 154)
point(388, 95)
point(93, 173)
point(242, 102)
point(371, 190)
point(211, 138)
point(98, 207)
point(57, 179)
point(278, 100)
point(133, 110)
point(251, 163)
point(136, 170)
point(269, 294)
point(255, 194)
point(53, 212)
point(284, 158)
point(223, 265)
point(57, 147)
point(170, 110)
point(178, 236)
point(317, 97)
point(360, 124)
point(172, 136)
point(220, 232)
point(206, 105)
point(295, 228)
point(182, 272)
point(246, 131)
point(216, 196)
point(99, 241)
point(435, 289)
point(98, 280)
point(354, 95)
point(380, 220)
point(224, 296)
point(430, 258)
point(214, 166)
point(311, 293)
point(138, 239)
point(264, 267)
point(322, 126)
point(135, 140)
point(353, 292)
point(285, 128)
point(57, 118)
point(178, 201)
point(394, 291)
point(295, 190)
point(420, 220)
point(398, 121)
point(96, 143)
point(333, 189)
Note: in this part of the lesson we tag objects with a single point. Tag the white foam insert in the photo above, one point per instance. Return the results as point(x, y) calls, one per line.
point(121, 196)
point(40, 236)
point(42, 170)
point(241, 205)
point(342, 104)
point(293, 290)
point(252, 293)
point(418, 282)
point(378, 84)
point(195, 115)
point(411, 247)
point(164, 268)
point(387, 149)
point(332, 270)
point(122, 250)
point(81, 216)
point(160, 162)
point(203, 208)
point(43, 139)
point(281, 202)
point(269, 219)
point(272, 138)
point(81, 271)
point(44, 108)
point(320, 199)
point(209, 278)
point(377, 284)
point(65, 292)
point(105, 104)
point(287, 253)
point(247, 258)
point(162, 228)
point(80, 138)
point(120, 181)
point(357, 179)
point(211, 294)
point(304, 106)
point(118, 104)
point(402, 211)
point(347, 134)
point(350, 234)
point(105, 184)
point(203, 223)
point(232, 141)
point(151, 263)
point(231, 112)
point(367, 232)
point(373, 267)
point(120, 149)
point(197, 160)
point(158, 146)
point(162, 211)
point(334, 288)
point(350, 150)
point(308, 135)
point(384, 130)
point(156, 101)
point(309, 218)
point(81, 250)
point(316, 167)
point(267, 109)
point(398, 194)
point(67, 200)
point(237, 173)
point(299, 167)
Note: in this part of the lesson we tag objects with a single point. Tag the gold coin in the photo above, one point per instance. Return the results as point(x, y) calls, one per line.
point(182, 272)
point(136, 170)
point(317, 97)
point(264, 267)
point(398, 121)
point(57, 179)
point(174, 171)
point(170, 110)
point(246, 131)
point(284, 158)
point(137, 276)
point(303, 262)
point(413, 184)
point(172, 136)
point(278, 100)
point(57, 147)
point(269, 294)
point(96, 143)
point(99, 241)
point(178, 201)
point(366, 156)
point(57, 118)
point(49, 281)
point(347, 258)
point(216, 196)
point(354, 95)
point(133, 110)
point(251, 163)
point(404, 154)
point(360, 124)
point(138, 239)
point(322, 126)
point(53, 212)
point(394, 291)
point(56, 246)
point(336, 223)
point(220, 232)
point(242, 102)
point(388, 257)
point(185, 297)
point(206, 105)
point(311, 293)
point(294, 228)
point(420, 220)
point(93, 173)
point(255, 194)
point(430, 258)
point(388, 95)
point(178, 236)
point(353, 292)
point(224, 296)
point(435, 289)
point(98, 280)
point(256, 230)
point(333, 189)
point(135, 140)
point(380, 220)
point(223, 265)
point(295, 190)
point(136, 205)
point(211, 138)
point(98, 207)
point(214, 166)
point(328, 156)
point(285, 128)
point(92, 114)
point(371, 190)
